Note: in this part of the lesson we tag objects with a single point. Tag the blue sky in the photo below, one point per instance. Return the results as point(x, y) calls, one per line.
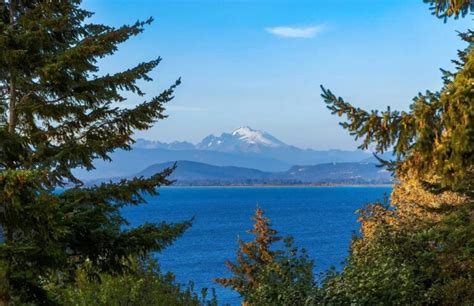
point(260, 62)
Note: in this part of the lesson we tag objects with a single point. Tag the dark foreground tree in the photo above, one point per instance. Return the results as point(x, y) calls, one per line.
point(58, 113)
point(264, 275)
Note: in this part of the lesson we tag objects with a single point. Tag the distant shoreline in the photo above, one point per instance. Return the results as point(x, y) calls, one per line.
point(281, 186)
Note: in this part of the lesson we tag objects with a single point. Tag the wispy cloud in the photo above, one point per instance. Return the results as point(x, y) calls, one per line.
point(296, 32)
point(184, 108)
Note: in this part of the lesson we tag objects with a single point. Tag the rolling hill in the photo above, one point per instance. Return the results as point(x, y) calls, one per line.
point(195, 173)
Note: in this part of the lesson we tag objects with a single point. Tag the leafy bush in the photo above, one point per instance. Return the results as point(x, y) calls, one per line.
point(143, 285)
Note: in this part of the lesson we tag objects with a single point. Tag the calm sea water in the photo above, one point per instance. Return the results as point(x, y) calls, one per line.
point(321, 219)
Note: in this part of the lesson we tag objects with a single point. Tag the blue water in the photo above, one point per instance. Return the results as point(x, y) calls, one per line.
point(321, 219)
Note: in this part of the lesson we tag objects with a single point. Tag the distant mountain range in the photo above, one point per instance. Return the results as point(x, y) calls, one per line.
point(195, 173)
point(249, 142)
point(242, 148)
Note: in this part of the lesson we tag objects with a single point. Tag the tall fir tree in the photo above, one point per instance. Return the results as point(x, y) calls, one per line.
point(252, 256)
point(423, 241)
point(265, 275)
point(58, 113)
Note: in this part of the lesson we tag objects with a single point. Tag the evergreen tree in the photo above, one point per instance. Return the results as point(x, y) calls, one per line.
point(263, 276)
point(58, 113)
point(419, 249)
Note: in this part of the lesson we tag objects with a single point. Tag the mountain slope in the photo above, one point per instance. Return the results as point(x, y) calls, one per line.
point(243, 140)
point(126, 163)
point(195, 173)
point(248, 141)
point(244, 147)
point(338, 172)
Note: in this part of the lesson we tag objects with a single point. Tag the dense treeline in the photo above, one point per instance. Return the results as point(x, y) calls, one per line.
point(57, 113)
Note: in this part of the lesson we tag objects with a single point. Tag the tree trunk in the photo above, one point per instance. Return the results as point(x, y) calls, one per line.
point(11, 107)
point(12, 104)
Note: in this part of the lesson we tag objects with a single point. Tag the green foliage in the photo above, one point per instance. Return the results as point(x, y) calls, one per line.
point(47, 233)
point(263, 276)
point(60, 109)
point(384, 269)
point(437, 134)
point(425, 263)
point(143, 285)
point(58, 112)
point(288, 280)
point(32, 231)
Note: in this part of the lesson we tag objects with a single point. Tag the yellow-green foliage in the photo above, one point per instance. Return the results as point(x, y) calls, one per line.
point(418, 249)
point(448, 8)
point(264, 275)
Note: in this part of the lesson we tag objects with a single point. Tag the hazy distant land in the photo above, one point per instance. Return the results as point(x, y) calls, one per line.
point(244, 157)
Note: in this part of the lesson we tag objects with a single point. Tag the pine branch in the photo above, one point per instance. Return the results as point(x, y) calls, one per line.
point(125, 192)
point(386, 130)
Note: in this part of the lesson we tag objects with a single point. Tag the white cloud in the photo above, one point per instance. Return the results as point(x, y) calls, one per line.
point(296, 32)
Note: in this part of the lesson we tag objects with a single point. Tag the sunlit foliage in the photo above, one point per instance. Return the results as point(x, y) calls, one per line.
point(418, 249)
point(264, 275)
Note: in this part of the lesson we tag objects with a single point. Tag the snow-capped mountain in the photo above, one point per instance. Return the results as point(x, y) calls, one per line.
point(243, 140)
point(247, 141)
point(257, 137)
point(243, 147)
point(245, 144)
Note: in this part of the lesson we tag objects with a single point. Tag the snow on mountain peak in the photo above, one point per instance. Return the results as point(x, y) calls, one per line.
point(251, 136)
point(243, 130)
point(243, 139)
